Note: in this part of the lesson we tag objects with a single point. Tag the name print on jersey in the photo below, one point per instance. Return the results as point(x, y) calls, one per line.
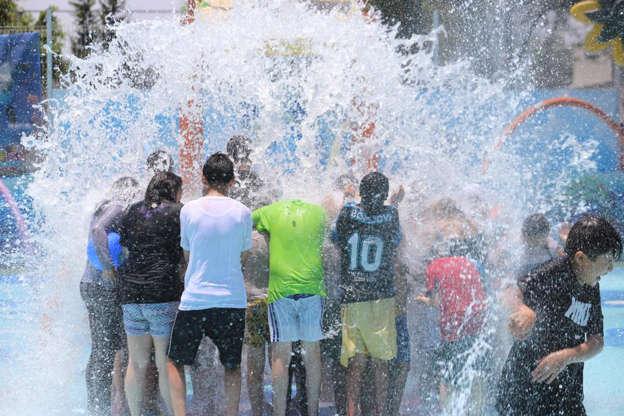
point(360, 215)
point(578, 312)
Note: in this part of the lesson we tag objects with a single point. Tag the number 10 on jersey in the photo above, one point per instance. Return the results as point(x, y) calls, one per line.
point(361, 253)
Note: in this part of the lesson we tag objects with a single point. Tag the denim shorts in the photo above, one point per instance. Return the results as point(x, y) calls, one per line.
point(154, 319)
point(296, 318)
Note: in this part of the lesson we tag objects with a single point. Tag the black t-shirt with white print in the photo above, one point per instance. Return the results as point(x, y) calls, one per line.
point(567, 312)
point(368, 246)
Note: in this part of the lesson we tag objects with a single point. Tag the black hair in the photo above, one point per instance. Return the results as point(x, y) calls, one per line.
point(594, 236)
point(125, 190)
point(374, 188)
point(238, 148)
point(535, 226)
point(218, 169)
point(164, 186)
point(156, 159)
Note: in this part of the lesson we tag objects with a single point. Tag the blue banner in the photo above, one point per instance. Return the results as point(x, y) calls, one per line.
point(20, 85)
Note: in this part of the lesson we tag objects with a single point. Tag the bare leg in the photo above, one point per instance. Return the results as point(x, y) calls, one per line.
point(232, 383)
point(312, 361)
point(161, 344)
point(177, 388)
point(151, 403)
point(206, 379)
point(354, 371)
point(118, 395)
point(334, 373)
point(139, 349)
point(477, 396)
point(256, 357)
point(396, 386)
point(380, 368)
point(445, 393)
point(280, 360)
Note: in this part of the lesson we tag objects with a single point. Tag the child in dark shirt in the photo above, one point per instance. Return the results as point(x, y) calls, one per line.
point(543, 374)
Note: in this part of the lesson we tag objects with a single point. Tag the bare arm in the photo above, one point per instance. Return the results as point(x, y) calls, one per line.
point(184, 259)
point(402, 288)
point(522, 318)
point(245, 255)
point(433, 300)
point(247, 264)
point(553, 364)
point(397, 196)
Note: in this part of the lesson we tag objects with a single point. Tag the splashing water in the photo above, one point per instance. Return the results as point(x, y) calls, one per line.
point(302, 84)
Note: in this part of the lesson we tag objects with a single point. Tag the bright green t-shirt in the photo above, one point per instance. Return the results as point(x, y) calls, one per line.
point(296, 231)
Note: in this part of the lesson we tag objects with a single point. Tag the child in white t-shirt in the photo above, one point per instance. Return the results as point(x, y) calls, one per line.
point(215, 232)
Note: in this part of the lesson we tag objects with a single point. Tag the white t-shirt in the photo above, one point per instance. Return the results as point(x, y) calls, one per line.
point(215, 230)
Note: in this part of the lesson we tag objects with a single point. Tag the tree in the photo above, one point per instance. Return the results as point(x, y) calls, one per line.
point(87, 27)
point(15, 19)
point(111, 13)
point(59, 65)
point(408, 13)
point(12, 16)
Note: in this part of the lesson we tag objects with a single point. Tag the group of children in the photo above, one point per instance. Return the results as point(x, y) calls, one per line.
point(241, 267)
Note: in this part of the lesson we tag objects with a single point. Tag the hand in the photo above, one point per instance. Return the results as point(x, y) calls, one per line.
point(521, 322)
point(350, 192)
point(551, 366)
point(423, 299)
point(110, 275)
point(397, 196)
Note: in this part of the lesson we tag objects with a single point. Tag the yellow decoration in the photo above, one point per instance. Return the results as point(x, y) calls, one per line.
point(213, 9)
point(284, 47)
point(592, 41)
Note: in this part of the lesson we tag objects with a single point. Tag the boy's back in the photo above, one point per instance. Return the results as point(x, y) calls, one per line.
point(296, 232)
point(368, 245)
point(215, 230)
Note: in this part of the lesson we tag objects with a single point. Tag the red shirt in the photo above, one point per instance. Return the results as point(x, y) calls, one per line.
point(462, 298)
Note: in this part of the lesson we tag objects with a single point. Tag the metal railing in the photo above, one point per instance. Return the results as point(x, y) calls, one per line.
point(7, 30)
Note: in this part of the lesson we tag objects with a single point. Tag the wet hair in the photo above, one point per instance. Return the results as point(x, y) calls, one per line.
point(446, 208)
point(374, 188)
point(238, 148)
point(159, 161)
point(342, 181)
point(218, 169)
point(164, 186)
point(535, 226)
point(594, 236)
point(125, 190)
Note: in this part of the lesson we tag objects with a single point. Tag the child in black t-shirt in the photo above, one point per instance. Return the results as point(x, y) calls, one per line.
point(543, 374)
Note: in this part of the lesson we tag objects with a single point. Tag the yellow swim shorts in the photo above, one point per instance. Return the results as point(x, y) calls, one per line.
point(369, 328)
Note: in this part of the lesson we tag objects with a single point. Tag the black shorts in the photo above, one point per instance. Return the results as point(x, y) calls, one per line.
point(224, 326)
